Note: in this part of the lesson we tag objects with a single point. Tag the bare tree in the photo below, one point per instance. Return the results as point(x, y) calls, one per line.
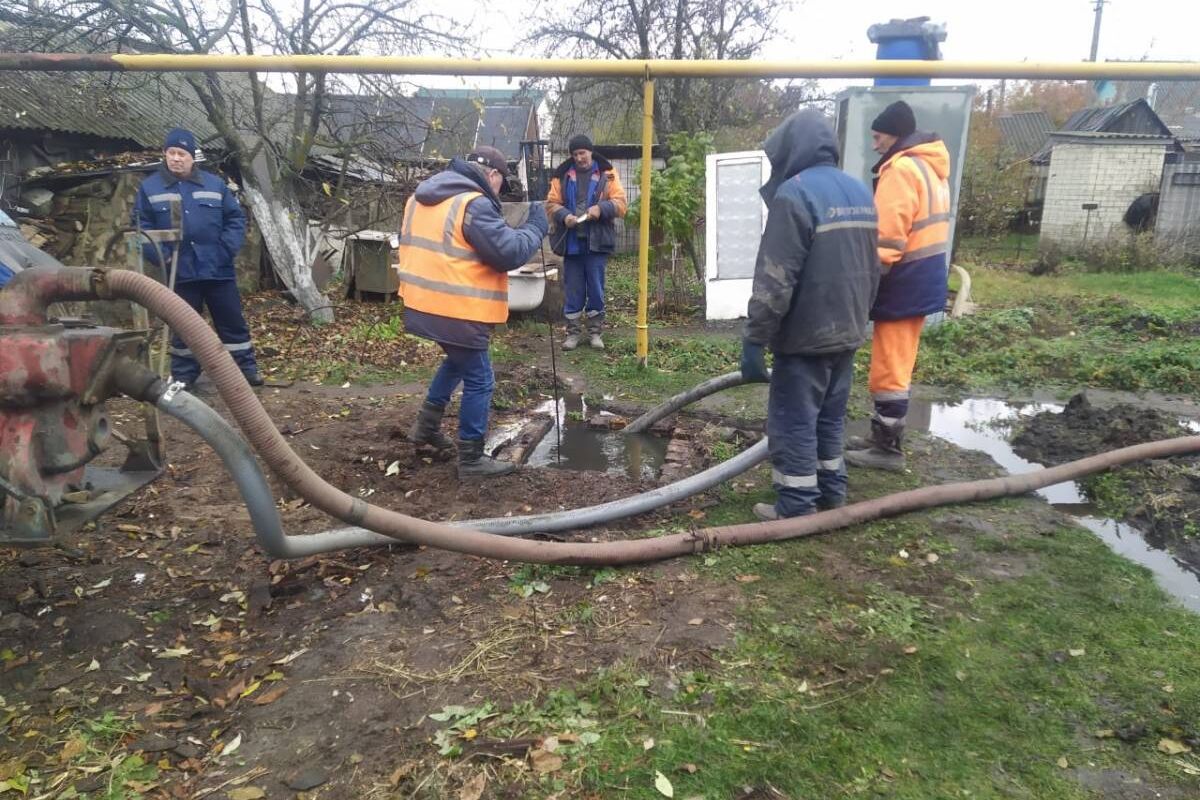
point(677, 29)
point(271, 134)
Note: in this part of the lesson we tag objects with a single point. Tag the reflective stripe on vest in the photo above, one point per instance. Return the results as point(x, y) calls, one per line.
point(440, 273)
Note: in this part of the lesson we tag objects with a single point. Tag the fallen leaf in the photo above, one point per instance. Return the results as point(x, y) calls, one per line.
point(1172, 747)
point(401, 772)
point(74, 746)
point(268, 697)
point(663, 785)
point(1062, 762)
point(543, 762)
point(246, 793)
point(290, 657)
point(174, 652)
point(745, 579)
point(232, 745)
point(473, 789)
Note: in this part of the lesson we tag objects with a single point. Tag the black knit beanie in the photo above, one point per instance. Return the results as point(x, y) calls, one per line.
point(579, 142)
point(896, 120)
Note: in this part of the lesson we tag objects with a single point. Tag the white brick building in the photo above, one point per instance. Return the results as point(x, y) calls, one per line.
point(1093, 178)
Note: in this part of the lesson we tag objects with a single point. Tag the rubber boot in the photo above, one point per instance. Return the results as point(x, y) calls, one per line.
point(426, 430)
point(573, 332)
point(885, 451)
point(766, 512)
point(595, 328)
point(474, 465)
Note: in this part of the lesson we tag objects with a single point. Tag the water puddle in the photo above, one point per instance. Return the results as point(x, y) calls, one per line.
point(579, 447)
point(985, 424)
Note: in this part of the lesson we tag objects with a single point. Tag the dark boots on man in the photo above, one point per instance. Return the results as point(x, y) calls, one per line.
point(473, 464)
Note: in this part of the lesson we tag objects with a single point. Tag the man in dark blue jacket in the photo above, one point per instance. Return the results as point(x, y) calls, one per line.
point(814, 282)
point(213, 228)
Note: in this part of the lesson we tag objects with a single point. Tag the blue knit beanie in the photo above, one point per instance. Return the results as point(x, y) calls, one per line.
point(181, 138)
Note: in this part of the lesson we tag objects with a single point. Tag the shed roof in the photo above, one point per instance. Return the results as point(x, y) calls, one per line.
point(132, 107)
point(1024, 133)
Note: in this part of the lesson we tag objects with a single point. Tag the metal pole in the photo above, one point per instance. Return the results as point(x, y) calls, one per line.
point(611, 68)
point(1096, 30)
point(643, 328)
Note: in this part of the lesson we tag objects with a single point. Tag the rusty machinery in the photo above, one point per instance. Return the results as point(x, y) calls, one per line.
point(55, 376)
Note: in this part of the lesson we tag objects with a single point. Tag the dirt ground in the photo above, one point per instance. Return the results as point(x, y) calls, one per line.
point(1160, 498)
point(169, 615)
point(241, 677)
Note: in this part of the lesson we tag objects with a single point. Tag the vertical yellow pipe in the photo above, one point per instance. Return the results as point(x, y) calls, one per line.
point(643, 328)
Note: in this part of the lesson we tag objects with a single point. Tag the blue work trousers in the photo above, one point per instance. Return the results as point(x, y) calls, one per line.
point(583, 283)
point(805, 421)
point(473, 369)
point(225, 307)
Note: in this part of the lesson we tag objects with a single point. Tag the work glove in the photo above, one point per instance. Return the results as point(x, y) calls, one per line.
point(754, 363)
point(537, 218)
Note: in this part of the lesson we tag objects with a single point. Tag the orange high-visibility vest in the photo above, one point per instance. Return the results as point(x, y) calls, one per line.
point(440, 273)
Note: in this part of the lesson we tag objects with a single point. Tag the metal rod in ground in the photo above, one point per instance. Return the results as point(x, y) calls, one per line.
point(553, 361)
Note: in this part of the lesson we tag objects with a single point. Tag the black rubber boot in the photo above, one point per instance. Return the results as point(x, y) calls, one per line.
point(426, 430)
point(474, 465)
point(885, 451)
point(574, 330)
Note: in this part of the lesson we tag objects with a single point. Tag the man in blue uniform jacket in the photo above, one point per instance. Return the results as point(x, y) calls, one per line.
point(214, 227)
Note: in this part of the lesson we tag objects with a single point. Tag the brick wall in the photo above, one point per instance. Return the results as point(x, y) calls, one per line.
point(1110, 174)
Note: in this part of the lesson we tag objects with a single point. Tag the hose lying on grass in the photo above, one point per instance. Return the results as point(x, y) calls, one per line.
point(37, 287)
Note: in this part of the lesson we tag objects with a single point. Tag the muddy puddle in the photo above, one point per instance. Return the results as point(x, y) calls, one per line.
point(985, 424)
point(574, 444)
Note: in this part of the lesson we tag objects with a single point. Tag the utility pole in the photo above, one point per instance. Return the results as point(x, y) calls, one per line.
point(1096, 29)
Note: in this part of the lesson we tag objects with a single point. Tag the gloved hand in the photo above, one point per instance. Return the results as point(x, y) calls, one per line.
point(754, 363)
point(537, 218)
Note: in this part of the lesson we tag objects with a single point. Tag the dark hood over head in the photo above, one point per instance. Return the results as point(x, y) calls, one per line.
point(803, 140)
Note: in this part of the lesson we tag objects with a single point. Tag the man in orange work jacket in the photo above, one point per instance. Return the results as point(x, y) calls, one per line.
point(912, 197)
point(455, 254)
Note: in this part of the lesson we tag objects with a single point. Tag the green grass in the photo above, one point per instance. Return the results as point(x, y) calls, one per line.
point(1117, 331)
point(861, 667)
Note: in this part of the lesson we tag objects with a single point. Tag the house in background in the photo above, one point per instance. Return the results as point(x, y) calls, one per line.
point(1097, 165)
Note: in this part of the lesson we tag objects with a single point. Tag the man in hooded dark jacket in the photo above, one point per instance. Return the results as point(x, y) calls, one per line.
point(814, 282)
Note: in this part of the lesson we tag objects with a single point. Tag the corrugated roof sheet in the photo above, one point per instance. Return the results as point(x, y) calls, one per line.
point(135, 107)
point(1134, 117)
point(411, 128)
point(1024, 132)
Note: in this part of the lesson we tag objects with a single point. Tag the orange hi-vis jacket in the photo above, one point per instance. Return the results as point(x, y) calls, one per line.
point(912, 198)
point(440, 273)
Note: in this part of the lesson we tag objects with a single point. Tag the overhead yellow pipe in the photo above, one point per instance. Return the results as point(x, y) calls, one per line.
point(643, 326)
point(664, 68)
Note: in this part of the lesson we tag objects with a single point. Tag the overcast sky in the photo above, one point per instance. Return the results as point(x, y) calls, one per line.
point(1009, 30)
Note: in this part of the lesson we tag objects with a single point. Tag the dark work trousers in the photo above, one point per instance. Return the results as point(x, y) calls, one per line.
point(225, 307)
point(805, 421)
point(473, 369)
